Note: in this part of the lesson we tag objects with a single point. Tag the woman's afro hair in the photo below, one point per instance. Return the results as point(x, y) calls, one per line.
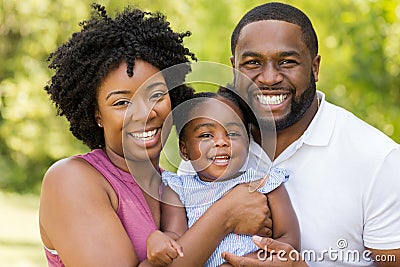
point(101, 46)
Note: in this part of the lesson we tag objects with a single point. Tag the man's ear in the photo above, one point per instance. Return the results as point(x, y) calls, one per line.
point(315, 66)
point(232, 59)
point(183, 150)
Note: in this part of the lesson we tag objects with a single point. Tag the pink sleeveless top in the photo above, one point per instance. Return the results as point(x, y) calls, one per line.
point(133, 210)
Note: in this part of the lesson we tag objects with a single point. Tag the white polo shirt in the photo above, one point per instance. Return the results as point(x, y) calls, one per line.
point(344, 184)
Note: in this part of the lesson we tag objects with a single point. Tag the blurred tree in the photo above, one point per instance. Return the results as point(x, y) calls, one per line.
point(359, 44)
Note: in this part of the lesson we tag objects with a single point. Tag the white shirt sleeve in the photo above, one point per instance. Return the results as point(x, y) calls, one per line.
point(382, 206)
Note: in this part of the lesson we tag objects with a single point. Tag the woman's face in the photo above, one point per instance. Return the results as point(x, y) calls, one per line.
point(132, 111)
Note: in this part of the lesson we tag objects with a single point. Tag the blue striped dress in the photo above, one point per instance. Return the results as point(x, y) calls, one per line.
point(197, 196)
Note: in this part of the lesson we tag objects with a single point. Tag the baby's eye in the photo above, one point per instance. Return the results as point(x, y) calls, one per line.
point(205, 135)
point(231, 134)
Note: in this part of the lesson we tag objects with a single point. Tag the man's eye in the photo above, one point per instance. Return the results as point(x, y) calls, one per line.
point(252, 62)
point(288, 62)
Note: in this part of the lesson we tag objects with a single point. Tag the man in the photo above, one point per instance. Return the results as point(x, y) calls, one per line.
point(344, 174)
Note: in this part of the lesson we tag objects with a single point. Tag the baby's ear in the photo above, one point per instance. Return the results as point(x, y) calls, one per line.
point(183, 150)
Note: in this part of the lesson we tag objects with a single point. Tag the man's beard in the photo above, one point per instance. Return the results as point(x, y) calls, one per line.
point(299, 106)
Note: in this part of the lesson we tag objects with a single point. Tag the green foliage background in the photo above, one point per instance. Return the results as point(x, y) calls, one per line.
point(359, 45)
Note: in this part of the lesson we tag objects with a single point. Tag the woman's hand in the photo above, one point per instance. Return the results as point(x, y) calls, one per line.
point(280, 254)
point(248, 211)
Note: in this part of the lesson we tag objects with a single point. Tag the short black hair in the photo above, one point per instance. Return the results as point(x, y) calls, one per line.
point(102, 44)
point(281, 12)
point(182, 113)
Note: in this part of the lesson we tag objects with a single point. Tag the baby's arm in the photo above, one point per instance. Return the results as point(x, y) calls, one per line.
point(285, 226)
point(162, 248)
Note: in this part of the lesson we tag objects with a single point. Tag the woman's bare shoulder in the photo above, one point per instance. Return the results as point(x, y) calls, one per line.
point(71, 173)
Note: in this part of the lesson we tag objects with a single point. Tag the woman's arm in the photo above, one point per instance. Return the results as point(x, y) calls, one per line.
point(78, 219)
point(162, 248)
point(285, 226)
point(173, 219)
point(238, 211)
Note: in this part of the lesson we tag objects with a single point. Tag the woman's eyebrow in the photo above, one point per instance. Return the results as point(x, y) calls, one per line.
point(125, 92)
point(118, 92)
point(155, 84)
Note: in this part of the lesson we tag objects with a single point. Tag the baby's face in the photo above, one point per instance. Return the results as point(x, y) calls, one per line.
point(215, 140)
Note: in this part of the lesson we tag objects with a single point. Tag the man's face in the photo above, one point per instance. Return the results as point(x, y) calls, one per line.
point(273, 55)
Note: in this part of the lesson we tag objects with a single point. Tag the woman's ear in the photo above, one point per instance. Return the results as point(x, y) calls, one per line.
point(183, 150)
point(97, 117)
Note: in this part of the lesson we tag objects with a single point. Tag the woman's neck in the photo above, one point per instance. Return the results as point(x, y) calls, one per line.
point(146, 172)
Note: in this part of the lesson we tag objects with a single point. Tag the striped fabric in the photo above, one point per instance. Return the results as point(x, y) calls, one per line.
point(197, 196)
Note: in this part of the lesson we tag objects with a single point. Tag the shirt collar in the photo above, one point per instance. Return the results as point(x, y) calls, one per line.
point(318, 133)
point(320, 130)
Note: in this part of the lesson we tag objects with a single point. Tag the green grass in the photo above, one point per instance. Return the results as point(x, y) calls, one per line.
point(20, 244)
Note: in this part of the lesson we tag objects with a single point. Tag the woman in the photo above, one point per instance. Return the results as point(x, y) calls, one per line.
point(92, 211)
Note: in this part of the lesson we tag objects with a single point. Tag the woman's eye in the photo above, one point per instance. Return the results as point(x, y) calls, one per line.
point(157, 96)
point(122, 103)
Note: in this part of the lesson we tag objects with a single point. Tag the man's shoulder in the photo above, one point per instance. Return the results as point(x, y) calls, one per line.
point(350, 129)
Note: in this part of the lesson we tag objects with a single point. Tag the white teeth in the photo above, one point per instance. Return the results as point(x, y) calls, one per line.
point(221, 158)
point(271, 100)
point(144, 136)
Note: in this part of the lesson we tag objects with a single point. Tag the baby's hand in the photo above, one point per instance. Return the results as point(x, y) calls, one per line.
point(162, 249)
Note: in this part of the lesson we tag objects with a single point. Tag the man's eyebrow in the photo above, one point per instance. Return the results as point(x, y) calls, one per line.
point(282, 54)
point(250, 54)
point(289, 53)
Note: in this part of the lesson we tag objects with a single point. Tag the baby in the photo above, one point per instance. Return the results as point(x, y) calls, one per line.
point(214, 136)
